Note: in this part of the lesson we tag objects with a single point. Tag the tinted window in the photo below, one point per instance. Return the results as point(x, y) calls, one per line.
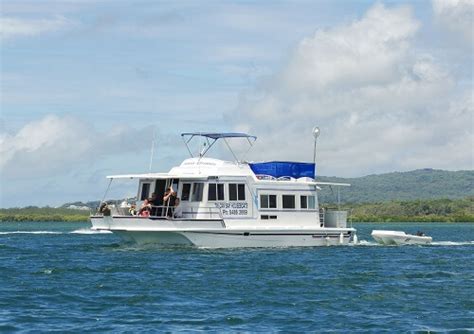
point(268, 202)
point(145, 191)
point(311, 202)
point(304, 202)
point(212, 192)
point(232, 192)
point(220, 192)
point(185, 192)
point(241, 192)
point(215, 192)
point(236, 192)
point(197, 192)
point(288, 201)
point(272, 201)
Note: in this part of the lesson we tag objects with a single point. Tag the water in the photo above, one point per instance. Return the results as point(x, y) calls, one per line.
point(60, 276)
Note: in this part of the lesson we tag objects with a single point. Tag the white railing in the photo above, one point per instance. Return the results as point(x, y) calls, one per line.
point(164, 211)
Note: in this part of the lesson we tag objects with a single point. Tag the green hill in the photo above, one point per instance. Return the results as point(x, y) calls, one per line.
point(402, 186)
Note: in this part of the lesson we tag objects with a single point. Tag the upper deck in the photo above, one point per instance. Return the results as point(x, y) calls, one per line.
point(204, 168)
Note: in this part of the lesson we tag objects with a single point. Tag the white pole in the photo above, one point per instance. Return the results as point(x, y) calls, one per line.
point(152, 151)
point(316, 133)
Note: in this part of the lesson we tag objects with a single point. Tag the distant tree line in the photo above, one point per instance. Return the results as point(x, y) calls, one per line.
point(33, 213)
point(435, 210)
point(428, 210)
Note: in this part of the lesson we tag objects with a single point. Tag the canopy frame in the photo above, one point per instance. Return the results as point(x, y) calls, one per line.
point(211, 138)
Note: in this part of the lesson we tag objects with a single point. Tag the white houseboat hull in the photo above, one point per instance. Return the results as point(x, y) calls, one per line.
point(181, 233)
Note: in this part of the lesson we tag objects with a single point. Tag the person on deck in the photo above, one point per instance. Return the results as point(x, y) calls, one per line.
point(154, 201)
point(145, 209)
point(133, 210)
point(104, 209)
point(169, 200)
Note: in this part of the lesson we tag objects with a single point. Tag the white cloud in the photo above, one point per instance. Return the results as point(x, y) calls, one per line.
point(58, 144)
point(366, 51)
point(456, 15)
point(381, 104)
point(11, 27)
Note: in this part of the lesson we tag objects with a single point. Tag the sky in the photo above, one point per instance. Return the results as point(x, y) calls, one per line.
point(86, 85)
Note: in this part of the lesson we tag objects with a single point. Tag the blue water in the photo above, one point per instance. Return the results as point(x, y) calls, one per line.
point(57, 276)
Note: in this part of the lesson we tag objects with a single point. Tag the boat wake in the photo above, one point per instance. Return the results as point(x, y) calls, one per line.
point(452, 243)
point(366, 243)
point(436, 243)
point(30, 232)
point(80, 231)
point(89, 231)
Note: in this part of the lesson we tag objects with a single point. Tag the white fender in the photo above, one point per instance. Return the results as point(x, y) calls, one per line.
point(355, 240)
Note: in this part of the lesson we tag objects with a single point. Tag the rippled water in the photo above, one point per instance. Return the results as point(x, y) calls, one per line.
point(56, 276)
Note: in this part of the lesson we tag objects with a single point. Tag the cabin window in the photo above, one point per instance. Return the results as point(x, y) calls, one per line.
point(304, 202)
point(197, 192)
point(268, 201)
point(185, 192)
point(236, 192)
point(308, 202)
point(288, 201)
point(215, 192)
point(145, 191)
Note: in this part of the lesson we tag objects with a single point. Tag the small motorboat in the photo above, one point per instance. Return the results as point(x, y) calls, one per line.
point(400, 238)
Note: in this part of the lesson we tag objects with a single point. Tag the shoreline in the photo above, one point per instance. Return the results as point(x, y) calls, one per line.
point(371, 219)
point(416, 211)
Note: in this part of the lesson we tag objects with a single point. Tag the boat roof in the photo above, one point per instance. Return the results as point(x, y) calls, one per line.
point(155, 176)
point(218, 135)
point(212, 138)
point(205, 168)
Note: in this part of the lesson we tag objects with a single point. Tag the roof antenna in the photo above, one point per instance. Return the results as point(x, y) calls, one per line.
point(152, 150)
point(201, 154)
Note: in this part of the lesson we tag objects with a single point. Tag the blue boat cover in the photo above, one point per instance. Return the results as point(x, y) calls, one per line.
point(284, 168)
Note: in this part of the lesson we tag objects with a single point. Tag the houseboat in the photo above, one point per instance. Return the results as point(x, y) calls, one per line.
point(227, 204)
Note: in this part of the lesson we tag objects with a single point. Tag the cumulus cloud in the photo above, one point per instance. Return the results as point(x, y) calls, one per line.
point(11, 27)
point(456, 15)
point(58, 144)
point(381, 104)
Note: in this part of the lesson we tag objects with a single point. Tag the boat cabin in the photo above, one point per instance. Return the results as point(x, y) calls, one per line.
point(270, 192)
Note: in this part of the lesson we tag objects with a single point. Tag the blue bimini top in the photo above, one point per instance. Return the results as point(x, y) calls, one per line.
point(279, 169)
point(218, 135)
